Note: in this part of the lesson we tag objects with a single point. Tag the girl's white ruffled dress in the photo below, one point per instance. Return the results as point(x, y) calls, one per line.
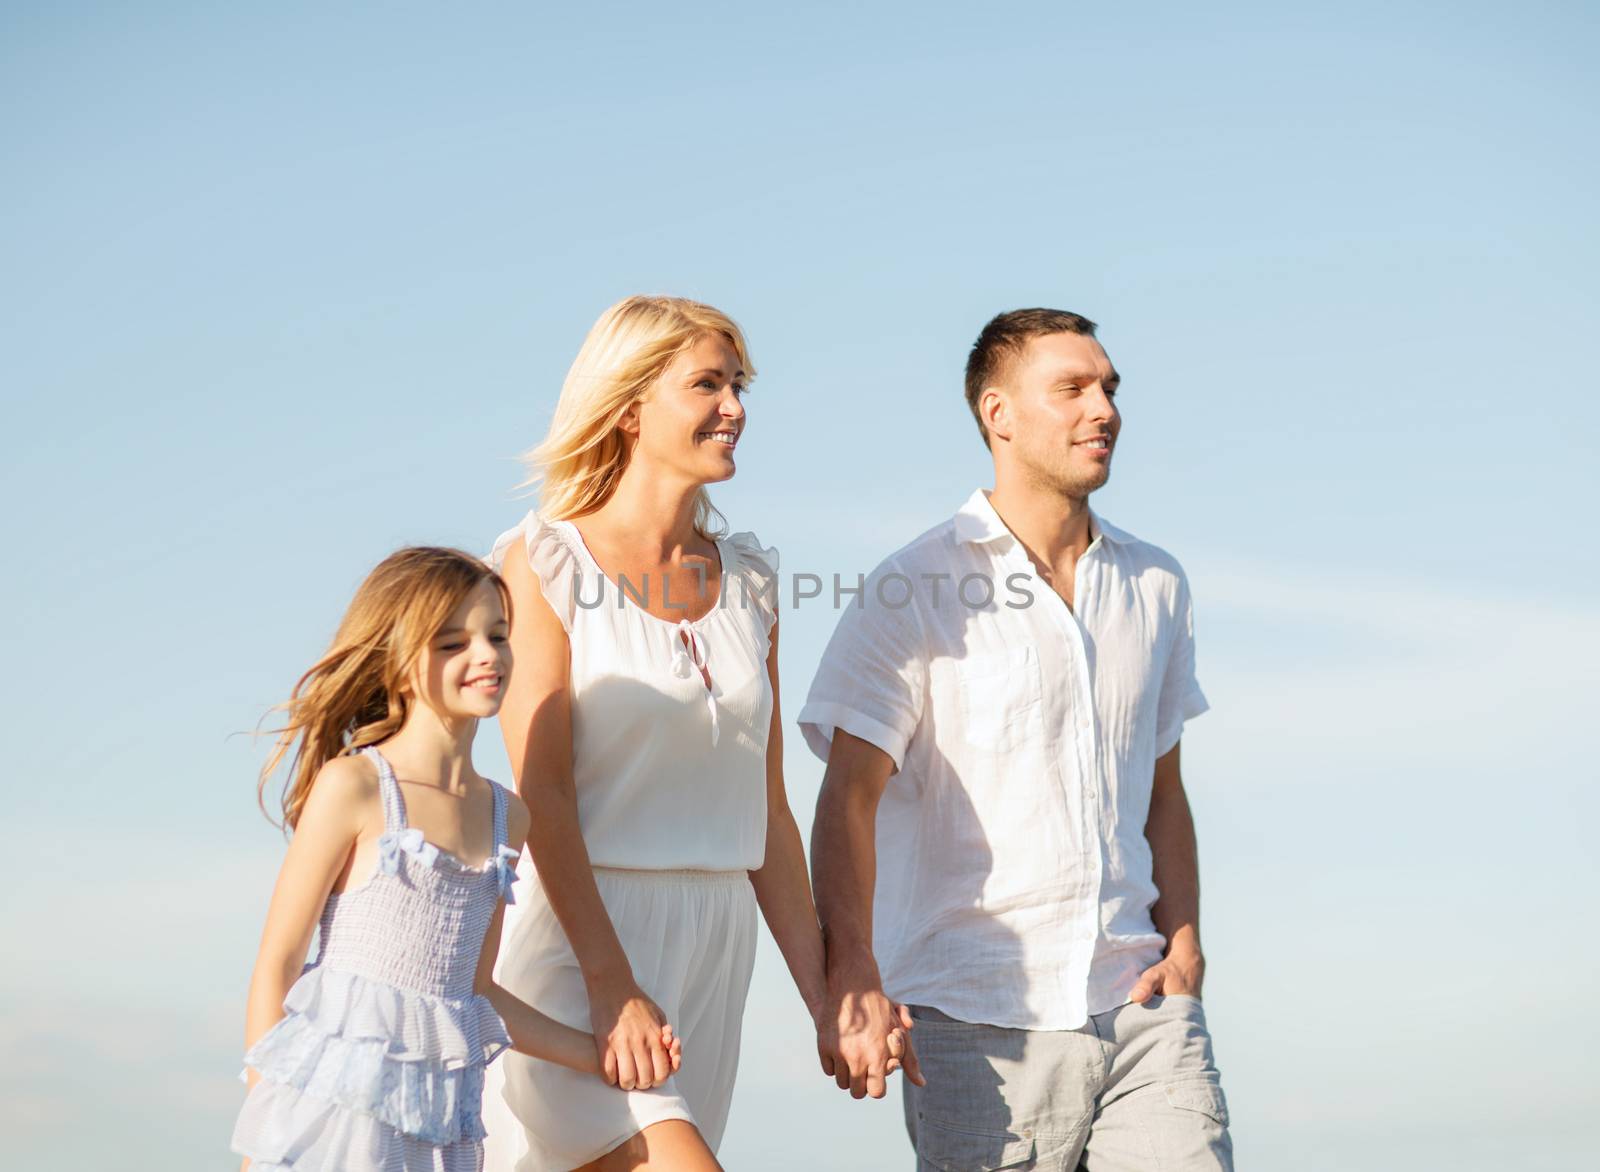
point(378, 1062)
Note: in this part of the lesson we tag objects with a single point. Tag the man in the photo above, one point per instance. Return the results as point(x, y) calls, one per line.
point(1003, 849)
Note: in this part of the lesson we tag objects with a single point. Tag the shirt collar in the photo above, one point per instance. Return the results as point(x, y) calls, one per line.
point(977, 522)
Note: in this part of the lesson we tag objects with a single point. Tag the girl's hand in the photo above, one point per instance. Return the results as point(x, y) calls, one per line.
point(631, 1035)
point(674, 1047)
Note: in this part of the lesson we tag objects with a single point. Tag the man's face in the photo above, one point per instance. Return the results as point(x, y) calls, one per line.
point(1055, 414)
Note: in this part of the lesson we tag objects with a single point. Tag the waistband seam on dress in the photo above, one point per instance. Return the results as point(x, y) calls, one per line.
point(674, 875)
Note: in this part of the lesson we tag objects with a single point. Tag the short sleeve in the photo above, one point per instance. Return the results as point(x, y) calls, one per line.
point(551, 558)
point(757, 575)
point(1181, 697)
point(872, 681)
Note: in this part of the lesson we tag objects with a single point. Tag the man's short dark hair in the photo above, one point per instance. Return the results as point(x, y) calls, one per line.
point(1003, 339)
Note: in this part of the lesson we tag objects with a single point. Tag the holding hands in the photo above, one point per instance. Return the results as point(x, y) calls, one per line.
point(863, 1038)
point(633, 1038)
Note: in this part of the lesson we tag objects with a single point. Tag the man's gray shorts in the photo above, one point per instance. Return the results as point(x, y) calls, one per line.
point(1134, 1090)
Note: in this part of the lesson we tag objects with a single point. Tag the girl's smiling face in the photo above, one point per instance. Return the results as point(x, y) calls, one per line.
point(691, 418)
point(462, 672)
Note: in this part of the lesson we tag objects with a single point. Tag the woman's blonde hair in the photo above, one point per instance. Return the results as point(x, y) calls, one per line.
point(354, 695)
point(578, 465)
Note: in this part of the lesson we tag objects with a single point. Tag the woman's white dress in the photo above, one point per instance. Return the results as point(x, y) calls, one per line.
point(670, 776)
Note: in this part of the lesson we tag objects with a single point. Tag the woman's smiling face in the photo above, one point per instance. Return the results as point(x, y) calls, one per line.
point(691, 418)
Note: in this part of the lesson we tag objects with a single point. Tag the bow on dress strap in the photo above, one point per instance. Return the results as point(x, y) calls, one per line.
point(505, 869)
point(410, 841)
point(689, 659)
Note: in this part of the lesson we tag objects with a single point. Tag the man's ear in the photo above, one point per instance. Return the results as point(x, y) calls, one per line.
point(995, 411)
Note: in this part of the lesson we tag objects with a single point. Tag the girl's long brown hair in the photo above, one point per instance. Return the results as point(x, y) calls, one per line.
point(352, 697)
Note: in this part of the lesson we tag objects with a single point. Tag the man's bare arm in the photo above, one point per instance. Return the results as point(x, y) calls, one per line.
point(854, 1038)
point(1169, 828)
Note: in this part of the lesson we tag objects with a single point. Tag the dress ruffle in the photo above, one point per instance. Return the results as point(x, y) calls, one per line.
point(421, 1098)
point(550, 556)
point(406, 1059)
point(414, 1026)
point(283, 1129)
point(557, 564)
point(758, 573)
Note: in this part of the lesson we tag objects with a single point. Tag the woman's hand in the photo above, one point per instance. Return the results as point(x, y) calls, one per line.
point(632, 1036)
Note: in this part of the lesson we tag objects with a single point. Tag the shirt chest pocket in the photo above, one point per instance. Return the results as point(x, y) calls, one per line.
point(1001, 699)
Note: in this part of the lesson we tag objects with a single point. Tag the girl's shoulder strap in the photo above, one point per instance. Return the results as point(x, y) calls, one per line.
point(394, 805)
point(503, 859)
point(501, 830)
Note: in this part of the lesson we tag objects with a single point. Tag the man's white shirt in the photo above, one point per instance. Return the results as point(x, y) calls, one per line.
point(1013, 876)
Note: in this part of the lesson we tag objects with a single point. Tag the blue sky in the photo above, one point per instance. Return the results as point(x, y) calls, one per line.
point(289, 286)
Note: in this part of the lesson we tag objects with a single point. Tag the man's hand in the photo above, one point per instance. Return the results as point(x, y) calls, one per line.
point(862, 1038)
point(1181, 971)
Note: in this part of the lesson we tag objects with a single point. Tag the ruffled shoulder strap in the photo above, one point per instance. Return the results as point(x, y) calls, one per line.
point(550, 556)
point(504, 859)
point(394, 805)
point(398, 838)
point(757, 575)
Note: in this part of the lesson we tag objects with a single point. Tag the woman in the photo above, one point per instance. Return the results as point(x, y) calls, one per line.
point(642, 724)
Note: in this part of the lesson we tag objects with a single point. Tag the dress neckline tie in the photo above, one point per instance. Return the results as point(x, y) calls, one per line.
point(689, 658)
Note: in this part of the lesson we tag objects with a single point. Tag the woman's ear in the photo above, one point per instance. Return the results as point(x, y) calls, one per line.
point(628, 422)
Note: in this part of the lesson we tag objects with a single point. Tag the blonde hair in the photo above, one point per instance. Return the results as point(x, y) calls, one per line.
point(353, 696)
point(582, 457)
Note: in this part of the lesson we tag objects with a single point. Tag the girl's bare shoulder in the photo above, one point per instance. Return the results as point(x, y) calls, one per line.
point(344, 792)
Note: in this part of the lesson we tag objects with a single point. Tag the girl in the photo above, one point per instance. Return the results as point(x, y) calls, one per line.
point(374, 1058)
point(644, 731)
